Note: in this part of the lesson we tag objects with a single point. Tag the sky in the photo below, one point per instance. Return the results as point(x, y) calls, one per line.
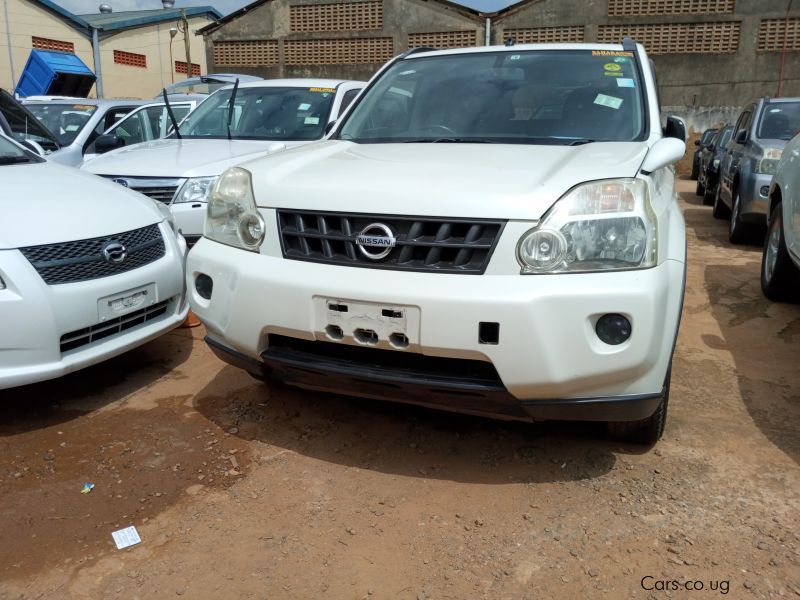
point(80, 7)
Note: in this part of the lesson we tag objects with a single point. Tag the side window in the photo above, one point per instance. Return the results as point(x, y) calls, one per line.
point(112, 116)
point(743, 123)
point(133, 129)
point(347, 98)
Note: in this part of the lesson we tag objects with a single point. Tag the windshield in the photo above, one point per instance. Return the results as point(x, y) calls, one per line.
point(707, 135)
point(11, 154)
point(64, 120)
point(527, 97)
point(780, 121)
point(262, 113)
point(724, 137)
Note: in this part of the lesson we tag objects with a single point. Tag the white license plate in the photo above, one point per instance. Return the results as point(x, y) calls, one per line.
point(123, 303)
point(378, 324)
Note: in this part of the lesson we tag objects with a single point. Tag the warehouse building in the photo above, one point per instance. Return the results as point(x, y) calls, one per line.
point(137, 55)
point(707, 52)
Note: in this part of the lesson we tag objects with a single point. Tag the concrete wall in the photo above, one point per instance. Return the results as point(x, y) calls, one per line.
point(26, 19)
point(271, 21)
point(690, 79)
point(123, 81)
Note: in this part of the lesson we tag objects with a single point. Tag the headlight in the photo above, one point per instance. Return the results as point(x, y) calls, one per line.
point(598, 226)
point(768, 163)
point(232, 216)
point(166, 213)
point(195, 189)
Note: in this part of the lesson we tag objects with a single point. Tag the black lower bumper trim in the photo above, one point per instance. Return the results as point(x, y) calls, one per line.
point(468, 396)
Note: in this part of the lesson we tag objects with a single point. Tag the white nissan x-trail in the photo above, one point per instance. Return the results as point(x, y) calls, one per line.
point(488, 230)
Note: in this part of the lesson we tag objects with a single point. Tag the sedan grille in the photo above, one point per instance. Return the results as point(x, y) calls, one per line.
point(81, 260)
point(88, 335)
point(162, 194)
point(429, 244)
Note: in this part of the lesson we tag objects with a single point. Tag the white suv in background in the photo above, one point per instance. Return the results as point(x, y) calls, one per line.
point(234, 124)
point(88, 270)
point(491, 230)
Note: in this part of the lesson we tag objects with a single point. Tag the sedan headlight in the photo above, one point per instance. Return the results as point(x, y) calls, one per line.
point(232, 216)
point(598, 226)
point(196, 189)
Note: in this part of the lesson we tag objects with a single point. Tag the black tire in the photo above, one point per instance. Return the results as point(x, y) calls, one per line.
point(780, 278)
point(699, 189)
point(647, 431)
point(708, 195)
point(720, 211)
point(739, 232)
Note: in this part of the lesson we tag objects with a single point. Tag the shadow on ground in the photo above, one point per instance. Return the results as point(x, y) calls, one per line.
point(407, 440)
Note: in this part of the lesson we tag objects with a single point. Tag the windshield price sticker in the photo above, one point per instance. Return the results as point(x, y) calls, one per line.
point(609, 101)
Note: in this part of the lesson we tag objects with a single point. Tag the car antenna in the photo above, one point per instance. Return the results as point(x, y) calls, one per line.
point(231, 105)
point(171, 114)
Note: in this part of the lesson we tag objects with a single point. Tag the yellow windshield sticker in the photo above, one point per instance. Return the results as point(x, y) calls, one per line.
point(325, 90)
point(83, 107)
point(612, 67)
point(610, 53)
point(612, 74)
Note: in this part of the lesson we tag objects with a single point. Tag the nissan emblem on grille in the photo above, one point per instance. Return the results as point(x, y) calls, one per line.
point(369, 238)
point(114, 252)
point(122, 182)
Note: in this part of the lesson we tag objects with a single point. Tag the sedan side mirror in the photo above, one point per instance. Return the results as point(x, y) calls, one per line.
point(107, 142)
point(675, 129)
point(741, 137)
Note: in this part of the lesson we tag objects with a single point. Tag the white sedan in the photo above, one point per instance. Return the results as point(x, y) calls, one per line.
point(88, 270)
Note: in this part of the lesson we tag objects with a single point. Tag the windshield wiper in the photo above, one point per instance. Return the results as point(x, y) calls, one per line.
point(172, 118)
point(231, 105)
point(450, 140)
point(13, 160)
point(580, 142)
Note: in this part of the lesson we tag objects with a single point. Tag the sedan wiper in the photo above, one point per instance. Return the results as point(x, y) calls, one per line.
point(580, 142)
point(450, 140)
point(13, 160)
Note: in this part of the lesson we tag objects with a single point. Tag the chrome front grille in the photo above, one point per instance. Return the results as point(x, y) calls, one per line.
point(162, 189)
point(89, 335)
point(430, 244)
point(162, 194)
point(81, 260)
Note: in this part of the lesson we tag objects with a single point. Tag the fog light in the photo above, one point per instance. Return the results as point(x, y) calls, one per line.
point(613, 329)
point(204, 285)
point(765, 190)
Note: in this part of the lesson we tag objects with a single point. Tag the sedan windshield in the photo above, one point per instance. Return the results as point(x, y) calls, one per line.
point(780, 121)
point(262, 113)
point(525, 97)
point(64, 120)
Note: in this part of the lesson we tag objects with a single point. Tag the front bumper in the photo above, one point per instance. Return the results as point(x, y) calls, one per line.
point(35, 315)
point(754, 197)
point(548, 359)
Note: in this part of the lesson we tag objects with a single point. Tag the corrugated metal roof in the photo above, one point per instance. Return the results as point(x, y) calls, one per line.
point(115, 21)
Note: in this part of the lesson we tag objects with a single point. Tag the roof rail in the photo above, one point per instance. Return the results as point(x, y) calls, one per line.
point(415, 50)
point(628, 44)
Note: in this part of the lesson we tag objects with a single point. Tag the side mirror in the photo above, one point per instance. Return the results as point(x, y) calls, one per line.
point(741, 137)
point(665, 151)
point(697, 142)
point(107, 142)
point(675, 129)
point(329, 127)
point(32, 146)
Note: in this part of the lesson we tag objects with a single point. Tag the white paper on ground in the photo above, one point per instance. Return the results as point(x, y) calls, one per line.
point(126, 537)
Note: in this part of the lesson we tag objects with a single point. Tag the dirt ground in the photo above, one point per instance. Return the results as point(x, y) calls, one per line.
point(242, 490)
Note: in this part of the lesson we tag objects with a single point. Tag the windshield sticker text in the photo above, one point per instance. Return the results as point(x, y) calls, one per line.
point(610, 53)
point(323, 90)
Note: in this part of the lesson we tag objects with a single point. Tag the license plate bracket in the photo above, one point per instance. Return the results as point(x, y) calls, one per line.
point(123, 303)
point(376, 324)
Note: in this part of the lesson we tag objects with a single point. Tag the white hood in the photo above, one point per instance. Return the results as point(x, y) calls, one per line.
point(44, 203)
point(437, 179)
point(181, 158)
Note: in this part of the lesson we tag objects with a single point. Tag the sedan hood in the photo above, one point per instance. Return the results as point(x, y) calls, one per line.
point(437, 179)
point(180, 158)
point(44, 203)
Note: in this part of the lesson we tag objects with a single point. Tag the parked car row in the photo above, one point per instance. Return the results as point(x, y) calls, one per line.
point(489, 230)
point(749, 171)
